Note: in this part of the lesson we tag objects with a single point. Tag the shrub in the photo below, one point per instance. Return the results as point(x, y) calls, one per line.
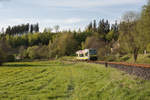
point(2, 57)
point(63, 45)
point(111, 58)
point(125, 58)
point(148, 48)
point(22, 52)
point(32, 52)
point(10, 58)
point(38, 52)
point(148, 55)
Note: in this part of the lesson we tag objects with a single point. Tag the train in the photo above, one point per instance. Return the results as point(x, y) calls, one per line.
point(87, 54)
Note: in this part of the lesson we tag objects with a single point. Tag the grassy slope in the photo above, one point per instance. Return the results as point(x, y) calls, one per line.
point(57, 80)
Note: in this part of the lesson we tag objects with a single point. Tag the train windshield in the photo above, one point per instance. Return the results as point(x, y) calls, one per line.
point(93, 52)
point(81, 55)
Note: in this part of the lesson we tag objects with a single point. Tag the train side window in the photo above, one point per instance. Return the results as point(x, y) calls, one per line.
point(93, 52)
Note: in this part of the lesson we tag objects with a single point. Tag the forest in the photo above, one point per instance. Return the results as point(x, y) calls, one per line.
point(113, 42)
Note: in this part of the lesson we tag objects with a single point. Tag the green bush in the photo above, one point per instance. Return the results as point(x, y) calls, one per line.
point(63, 45)
point(32, 52)
point(38, 52)
point(10, 58)
point(148, 48)
point(125, 58)
point(2, 57)
point(111, 58)
point(148, 55)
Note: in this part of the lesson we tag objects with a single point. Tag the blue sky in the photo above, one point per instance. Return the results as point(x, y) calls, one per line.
point(68, 14)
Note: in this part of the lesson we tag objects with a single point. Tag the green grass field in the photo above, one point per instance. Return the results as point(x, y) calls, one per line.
point(57, 80)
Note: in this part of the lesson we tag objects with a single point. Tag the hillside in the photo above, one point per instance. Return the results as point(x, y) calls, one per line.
point(57, 80)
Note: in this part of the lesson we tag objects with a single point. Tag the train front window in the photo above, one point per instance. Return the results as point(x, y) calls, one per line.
point(93, 52)
point(81, 55)
point(86, 54)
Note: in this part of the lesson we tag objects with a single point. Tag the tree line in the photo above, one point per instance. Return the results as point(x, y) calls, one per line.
point(22, 29)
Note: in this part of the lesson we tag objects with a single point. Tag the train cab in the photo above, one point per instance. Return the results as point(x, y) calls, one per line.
point(87, 54)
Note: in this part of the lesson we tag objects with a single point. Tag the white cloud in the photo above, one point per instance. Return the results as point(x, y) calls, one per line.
point(85, 3)
point(2, 3)
point(4, 0)
point(62, 21)
point(1, 6)
point(73, 20)
point(52, 21)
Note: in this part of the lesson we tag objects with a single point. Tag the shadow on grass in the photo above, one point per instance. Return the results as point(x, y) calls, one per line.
point(35, 65)
point(29, 65)
point(57, 97)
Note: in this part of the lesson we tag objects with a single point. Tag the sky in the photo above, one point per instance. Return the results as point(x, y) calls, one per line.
point(68, 14)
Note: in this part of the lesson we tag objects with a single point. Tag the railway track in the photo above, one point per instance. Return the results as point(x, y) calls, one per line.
point(140, 70)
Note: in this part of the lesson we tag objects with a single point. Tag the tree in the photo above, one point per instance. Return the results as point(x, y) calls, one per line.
point(8, 30)
point(93, 42)
point(103, 29)
point(98, 44)
point(113, 34)
point(37, 52)
point(32, 52)
point(94, 26)
point(48, 30)
point(2, 56)
point(22, 52)
point(148, 48)
point(89, 27)
point(5, 51)
point(5, 46)
point(144, 25)
point(17, 29)
point(129, 38)
point(27, 28)
point(130, 16)
point(81, 37)
point(56, 27)
point(36, 27)
point(110, 36)
point(31, 28)
point(62, 45)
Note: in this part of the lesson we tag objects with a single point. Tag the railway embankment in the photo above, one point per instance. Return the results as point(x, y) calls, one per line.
point(140, 70)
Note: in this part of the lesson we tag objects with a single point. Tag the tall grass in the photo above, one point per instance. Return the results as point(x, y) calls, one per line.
point(57, 80)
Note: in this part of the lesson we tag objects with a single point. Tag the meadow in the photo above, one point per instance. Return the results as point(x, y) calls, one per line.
point(62, 80)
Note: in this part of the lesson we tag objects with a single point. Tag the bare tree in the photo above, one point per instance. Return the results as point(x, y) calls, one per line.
point(49, 30)
point(56, 27)
point(130, 16)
